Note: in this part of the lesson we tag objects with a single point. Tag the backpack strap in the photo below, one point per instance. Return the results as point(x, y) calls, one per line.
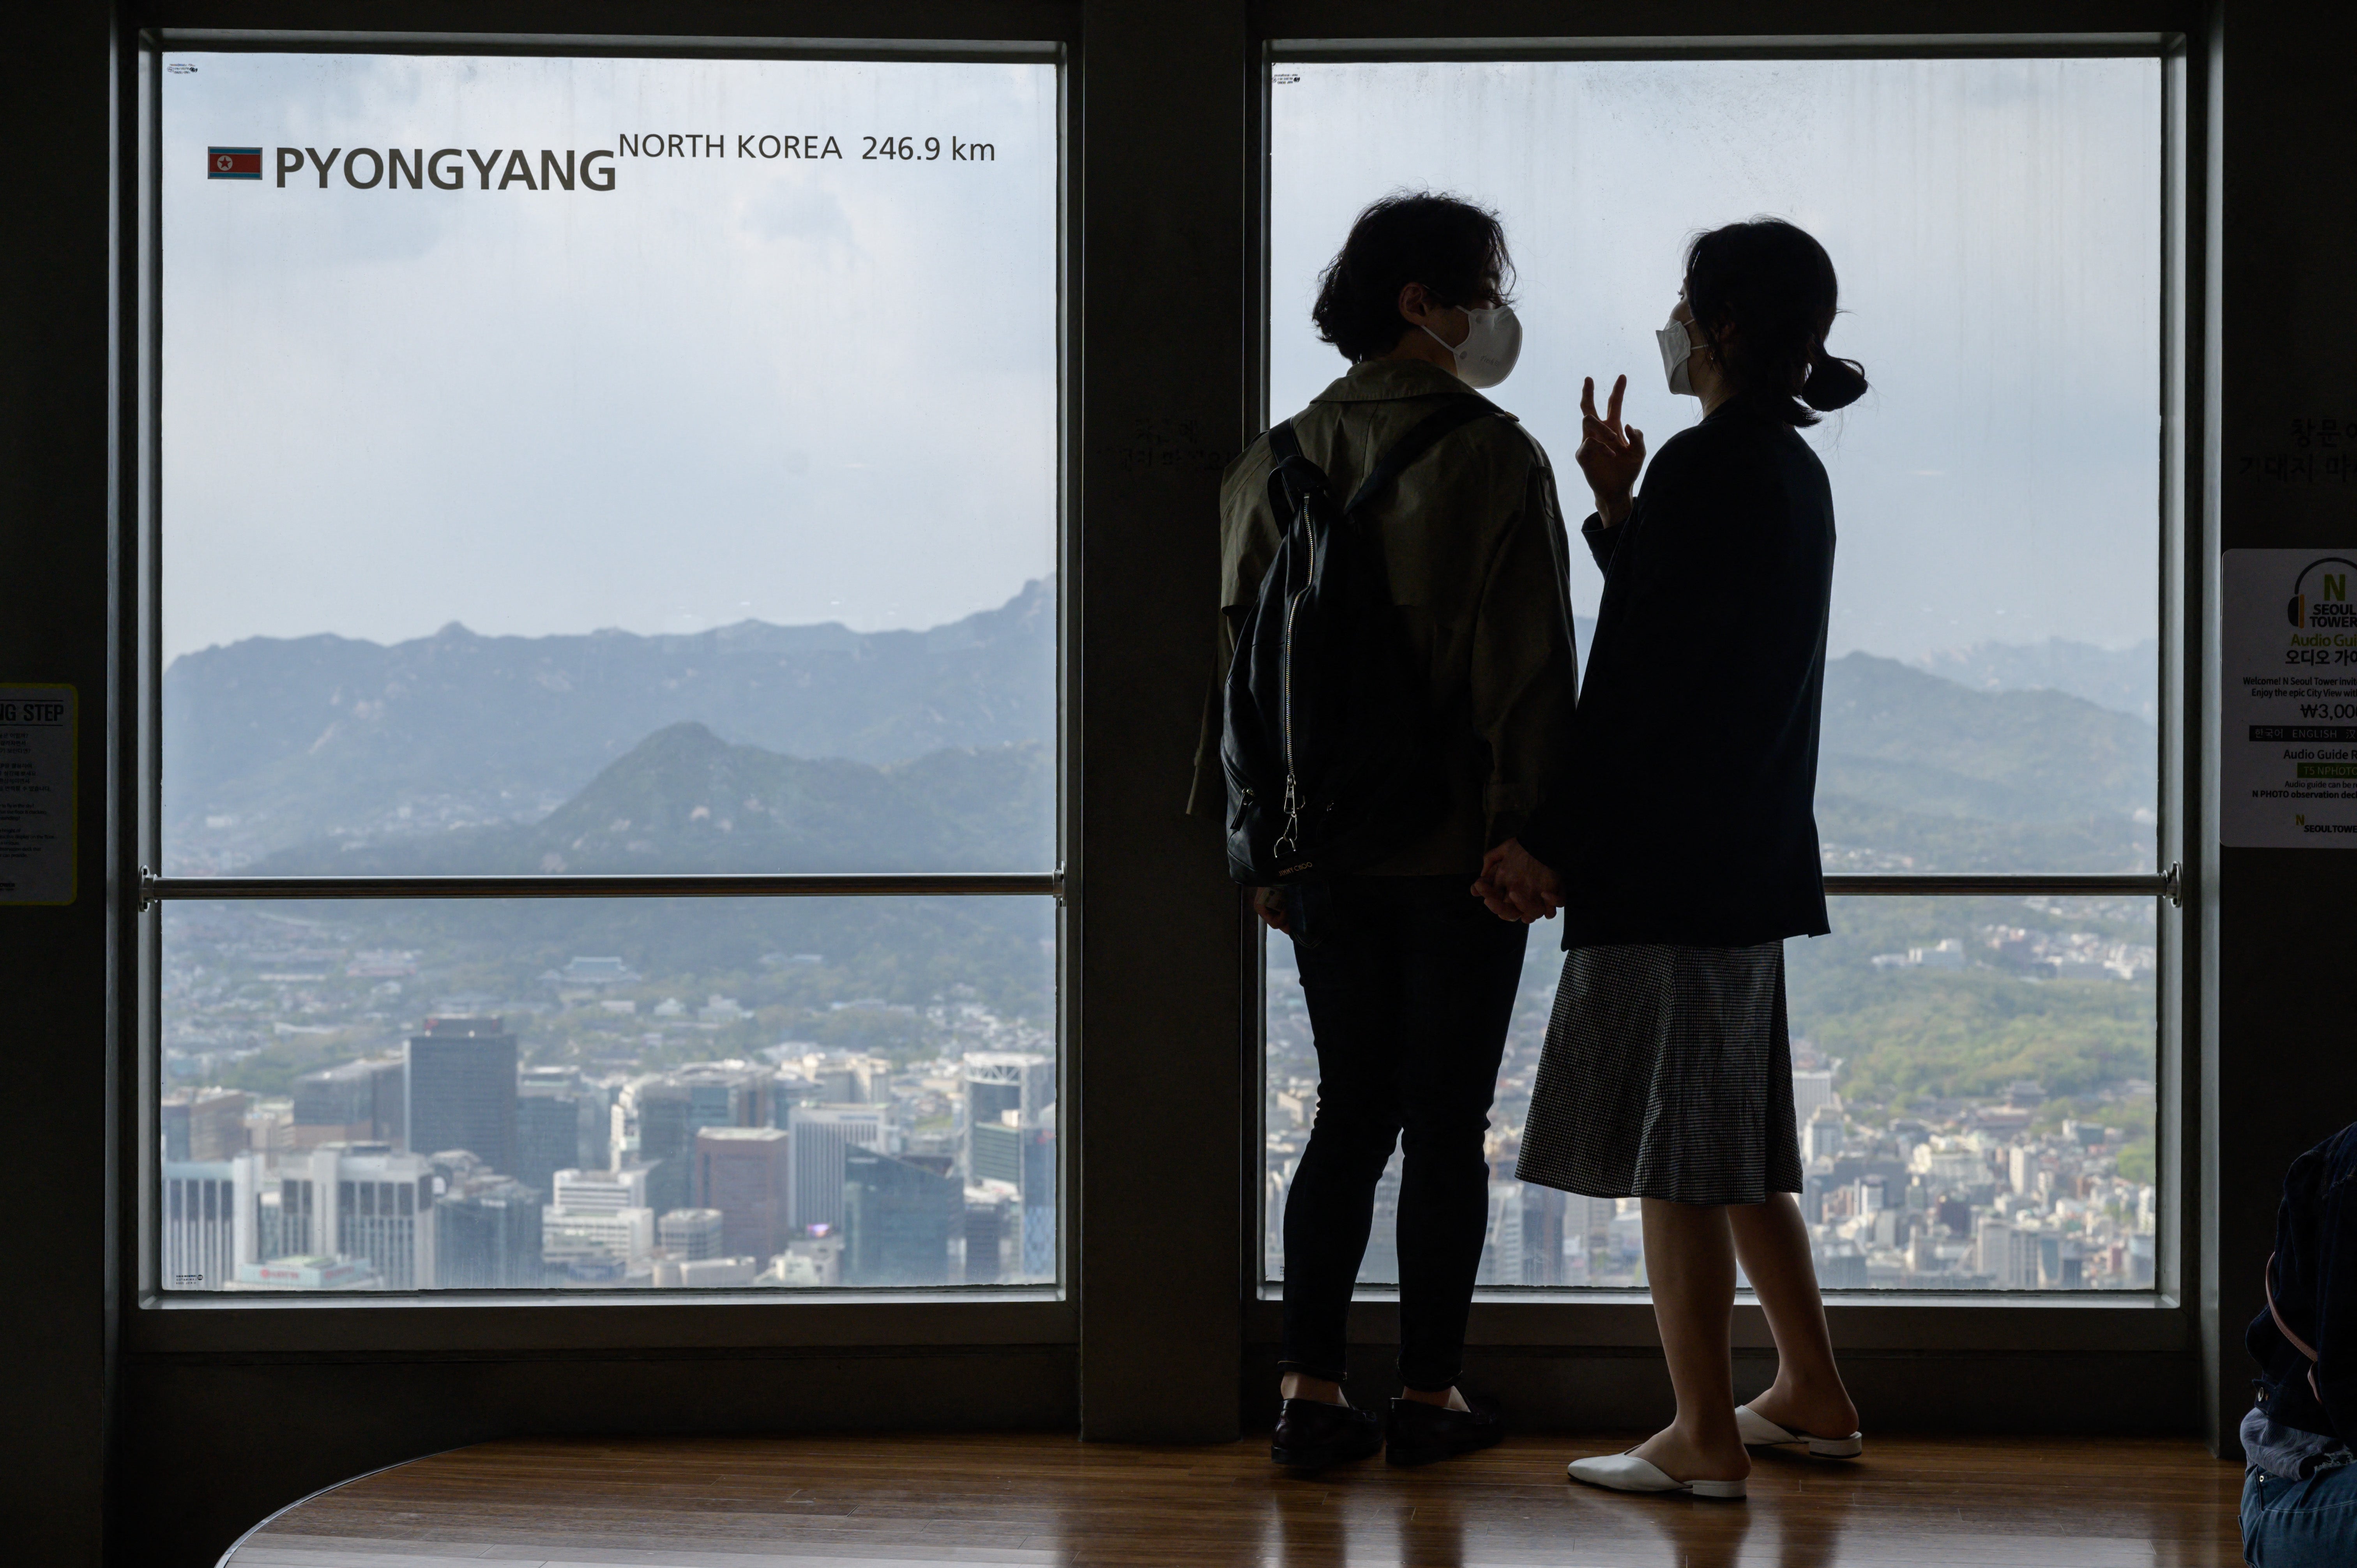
point(2302, 1346)
point(1456, 411)
point(1285, 455)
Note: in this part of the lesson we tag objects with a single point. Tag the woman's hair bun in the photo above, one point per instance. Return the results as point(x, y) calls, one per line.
point(1765, 295)
point(1833, 383)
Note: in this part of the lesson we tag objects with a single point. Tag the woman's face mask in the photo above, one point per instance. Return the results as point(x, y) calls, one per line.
point(1493, 341)
point(1677, 353)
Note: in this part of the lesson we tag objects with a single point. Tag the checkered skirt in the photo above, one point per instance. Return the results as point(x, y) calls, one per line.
point(1667, 1073)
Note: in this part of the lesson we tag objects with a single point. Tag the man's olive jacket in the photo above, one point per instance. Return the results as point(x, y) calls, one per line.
point(1474, 545)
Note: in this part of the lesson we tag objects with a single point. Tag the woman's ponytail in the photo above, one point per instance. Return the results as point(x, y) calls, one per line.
point(1833, 382)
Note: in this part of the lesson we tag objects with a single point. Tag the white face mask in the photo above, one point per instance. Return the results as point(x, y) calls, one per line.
point(1493, 341)
point(1677, 348)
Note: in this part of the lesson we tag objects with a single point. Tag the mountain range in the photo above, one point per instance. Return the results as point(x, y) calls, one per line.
point(269, 743)
point(793, 749)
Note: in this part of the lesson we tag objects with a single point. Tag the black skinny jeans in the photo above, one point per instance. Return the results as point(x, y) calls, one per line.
point(1410, 982)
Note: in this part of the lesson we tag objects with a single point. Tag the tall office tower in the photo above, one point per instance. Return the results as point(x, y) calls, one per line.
point(1501, 1241)
point(462, 1091)
point(380, 1206)
point(988, 1215)
point(1821, 1136)
point(833, 1077)
point(487, 1234)
point(390, 1102)
point(999, 1081)
point(203, 1201)
point(994, 1153)
point(336, 1105)
point(897, 1221)
point(595, 1248)
point(1545, 1211)
point(599, 1226)
point(560, 1125)
point(1039, 1260)
point(819, 1138)
point(742, 1171)
point(286, 1211)
point(2007, 1254)
point(690, 1235)
point(673, 1108)
point(205, 1126)
point(598, 1191)
point(1810, 1090)
point(1380, 1264)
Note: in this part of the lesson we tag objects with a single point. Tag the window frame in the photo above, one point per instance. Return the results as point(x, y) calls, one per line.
point(2162, 1321)
point(157, 1321)
point(1141, 1328)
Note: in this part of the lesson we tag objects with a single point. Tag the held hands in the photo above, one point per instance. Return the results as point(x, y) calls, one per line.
point(1517, 886)
point(1269, 903)
point(1611, 455)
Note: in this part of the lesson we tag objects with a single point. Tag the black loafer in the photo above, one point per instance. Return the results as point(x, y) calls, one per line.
point(1312, 1434)
point(1423, 1432)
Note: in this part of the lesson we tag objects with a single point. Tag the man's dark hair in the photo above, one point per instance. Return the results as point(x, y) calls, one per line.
point(1456, 250)
point(1774, 284)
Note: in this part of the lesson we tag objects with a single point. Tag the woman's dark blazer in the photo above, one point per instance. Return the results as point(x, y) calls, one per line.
point(1689, 816)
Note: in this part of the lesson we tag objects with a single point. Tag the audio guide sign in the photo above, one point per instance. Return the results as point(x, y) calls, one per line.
point(2289, 736)
point(37, 794)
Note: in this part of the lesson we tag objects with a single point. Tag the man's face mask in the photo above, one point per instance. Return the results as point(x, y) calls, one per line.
point(1493, 341)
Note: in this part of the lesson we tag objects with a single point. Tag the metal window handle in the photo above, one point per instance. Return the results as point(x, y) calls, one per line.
point(2168, 883)
point(153, 889)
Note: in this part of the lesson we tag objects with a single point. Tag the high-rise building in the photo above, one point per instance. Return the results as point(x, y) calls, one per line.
point(595, 1248)
point(462, 1091)
point(560, 1124)
point(599, 1225)
point(599, 1191)
point(742, 1171)
point(203, 1206)
point(1038, 1150)
point(994, 1153)
point(819, 1138)
point(1821, 1136)
point(380, 1207)
point(897, 1220)
point(336, 1105)
point(1006, 1089)
point(487, 1234)
point(390, 1102)
point(205, 1126)
point(673, 1108)
point(1810, 1089)
point(690, 1235)
point(990, 1219)
point(2007, 1254)
point(1502, 1241)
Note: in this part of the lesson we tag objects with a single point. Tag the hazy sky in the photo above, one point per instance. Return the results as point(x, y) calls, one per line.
point(1995, 226)
point(791, 390)
point(803, 390)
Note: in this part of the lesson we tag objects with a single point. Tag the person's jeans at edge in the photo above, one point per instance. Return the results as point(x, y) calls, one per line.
point(1410, 985)
point(2301, 1524)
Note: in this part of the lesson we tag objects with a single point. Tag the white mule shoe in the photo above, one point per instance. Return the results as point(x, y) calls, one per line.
point(1759, 1432)
point(1627, 1473)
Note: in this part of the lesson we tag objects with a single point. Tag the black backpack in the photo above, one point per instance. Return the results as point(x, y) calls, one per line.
point(1325, 737)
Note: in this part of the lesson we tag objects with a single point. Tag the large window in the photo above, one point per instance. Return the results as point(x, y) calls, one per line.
point(631, 478)
point(1975, 1074)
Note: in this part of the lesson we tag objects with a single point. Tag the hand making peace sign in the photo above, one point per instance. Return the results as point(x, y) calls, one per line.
point(1609, 456)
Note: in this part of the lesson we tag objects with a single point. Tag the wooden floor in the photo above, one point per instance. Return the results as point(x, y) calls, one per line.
point(873, 1502)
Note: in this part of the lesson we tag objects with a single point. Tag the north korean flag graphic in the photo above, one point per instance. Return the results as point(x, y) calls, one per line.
point(233, 163)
